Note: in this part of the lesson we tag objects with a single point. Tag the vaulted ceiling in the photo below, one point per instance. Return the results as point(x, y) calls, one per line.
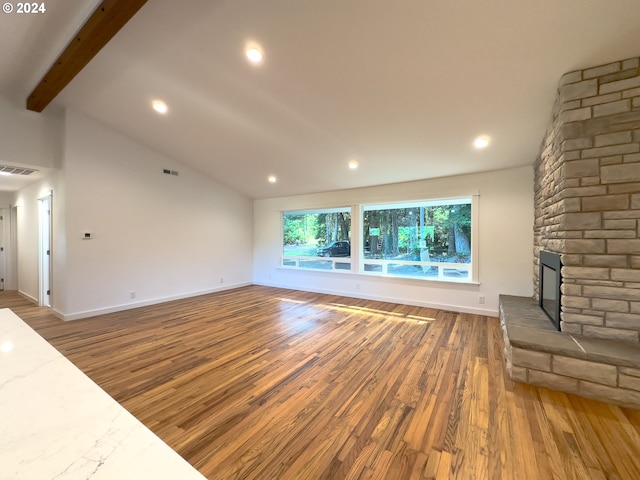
point(401, 87)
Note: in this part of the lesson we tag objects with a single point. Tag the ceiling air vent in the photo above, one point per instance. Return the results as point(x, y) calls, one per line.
point(166, 171)
point(16, 170)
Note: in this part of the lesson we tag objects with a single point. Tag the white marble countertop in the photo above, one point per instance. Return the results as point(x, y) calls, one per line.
point(56, 423)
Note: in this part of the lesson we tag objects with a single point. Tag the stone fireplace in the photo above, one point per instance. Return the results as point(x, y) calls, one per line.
point(587, 200)
point(587, 210)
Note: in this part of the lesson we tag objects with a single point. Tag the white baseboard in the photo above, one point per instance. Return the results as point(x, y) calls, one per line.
point(145, 303)
point(142, 303)
point(439, 306)
point(28, 297)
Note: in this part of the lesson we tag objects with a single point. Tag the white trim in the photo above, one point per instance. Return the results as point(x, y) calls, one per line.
point(438, 306)
point(4, 223)
point(144, 303)
point(45, 235)
point(333, 261)
point(316, 210)
point(475, 238)
point(457, 200)
point(441, 266)
point(28, 297)
point(11, 272)
point(417, 280)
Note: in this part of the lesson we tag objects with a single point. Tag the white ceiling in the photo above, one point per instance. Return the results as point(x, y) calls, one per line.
point(403, 87)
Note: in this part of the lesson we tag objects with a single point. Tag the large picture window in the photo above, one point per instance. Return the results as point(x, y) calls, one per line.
point(318, 239)
point(428, 240)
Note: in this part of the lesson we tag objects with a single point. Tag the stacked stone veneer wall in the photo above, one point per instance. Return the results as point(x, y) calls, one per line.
point(587, 199)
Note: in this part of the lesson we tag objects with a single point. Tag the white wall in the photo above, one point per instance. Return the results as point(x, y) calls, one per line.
point(505, 242)
point(166, 237)
point(160, 236)
point(27, 137)
point(6, 199)
point(33, 139)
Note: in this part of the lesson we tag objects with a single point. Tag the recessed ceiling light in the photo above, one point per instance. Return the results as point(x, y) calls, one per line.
point(255, 55)
point(159, 106)
point(272, 179)
point(481, 142)
point(353, 164)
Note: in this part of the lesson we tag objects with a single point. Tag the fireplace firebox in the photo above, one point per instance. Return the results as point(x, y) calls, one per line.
point(550, 280)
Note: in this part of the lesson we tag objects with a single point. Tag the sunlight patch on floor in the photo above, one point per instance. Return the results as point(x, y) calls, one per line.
point(353, 310)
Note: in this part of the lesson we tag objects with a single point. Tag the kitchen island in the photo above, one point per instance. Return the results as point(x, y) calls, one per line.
point(56, 423)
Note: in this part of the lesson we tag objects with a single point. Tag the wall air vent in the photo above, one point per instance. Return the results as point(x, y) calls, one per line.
point(166, 171)
point(16, 170)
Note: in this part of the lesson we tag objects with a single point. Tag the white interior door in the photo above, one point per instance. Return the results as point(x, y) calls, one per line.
point(11, 250)
point(45, 251)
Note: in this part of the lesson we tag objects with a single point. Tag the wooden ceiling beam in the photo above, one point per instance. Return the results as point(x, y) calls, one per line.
point(103, 24)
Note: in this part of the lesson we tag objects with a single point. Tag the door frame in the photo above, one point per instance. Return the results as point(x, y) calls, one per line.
point(4, 222)
point(45, 215)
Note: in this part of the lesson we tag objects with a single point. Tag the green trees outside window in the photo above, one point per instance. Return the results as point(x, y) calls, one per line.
point(315, 229)
point(405, 233)
point(321, 233)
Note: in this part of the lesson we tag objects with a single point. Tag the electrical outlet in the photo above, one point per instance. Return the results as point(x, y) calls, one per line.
point(132, 294)
point(221, 280)
point(481, 299)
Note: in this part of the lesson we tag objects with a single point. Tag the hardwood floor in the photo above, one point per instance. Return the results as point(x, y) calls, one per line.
point(264, 383)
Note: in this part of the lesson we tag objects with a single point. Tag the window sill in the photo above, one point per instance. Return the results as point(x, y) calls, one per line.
point(383, 277)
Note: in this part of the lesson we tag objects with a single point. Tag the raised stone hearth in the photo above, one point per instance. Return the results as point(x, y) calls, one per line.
point(537, 354)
